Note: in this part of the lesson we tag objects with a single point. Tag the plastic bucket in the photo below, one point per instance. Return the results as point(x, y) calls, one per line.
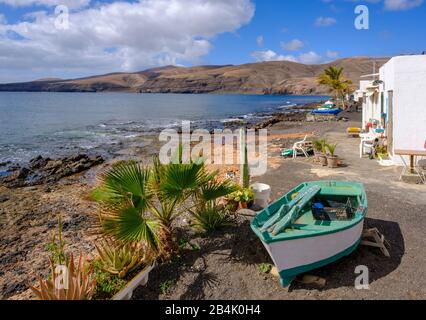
point(262, 194)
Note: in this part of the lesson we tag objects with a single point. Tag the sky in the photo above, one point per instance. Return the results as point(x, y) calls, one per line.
point(75, 38)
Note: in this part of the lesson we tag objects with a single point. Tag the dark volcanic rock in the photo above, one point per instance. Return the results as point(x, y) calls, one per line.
point(38, 162)
point(44, 170)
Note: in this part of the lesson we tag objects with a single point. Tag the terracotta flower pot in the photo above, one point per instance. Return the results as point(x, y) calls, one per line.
point(317, 156)
point(323, 160)
point(333, 162)
point(242, 205)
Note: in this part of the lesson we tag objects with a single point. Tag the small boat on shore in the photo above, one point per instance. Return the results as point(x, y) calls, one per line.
point(313, 225)
point(329, 108)
point(333, 111)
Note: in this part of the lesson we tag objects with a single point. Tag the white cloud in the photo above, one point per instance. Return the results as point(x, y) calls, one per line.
point(310, 58)
point(293, 45)
point(120, 36)
point(270, 55)
point(71, 4)
point(325, 21)
point(3, 19)
point(397, 5)
point(260, 41)
point(332, 54)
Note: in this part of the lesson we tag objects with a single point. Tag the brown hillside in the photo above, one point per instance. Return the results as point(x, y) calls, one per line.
point(276, 77)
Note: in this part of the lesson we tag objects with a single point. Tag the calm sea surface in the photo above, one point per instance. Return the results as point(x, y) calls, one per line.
point(58, 124)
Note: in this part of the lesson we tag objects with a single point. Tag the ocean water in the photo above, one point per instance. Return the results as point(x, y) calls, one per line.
point(59, 124)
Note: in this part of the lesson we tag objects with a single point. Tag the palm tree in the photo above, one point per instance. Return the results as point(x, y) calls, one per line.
point(141, 204)
point(333, 78)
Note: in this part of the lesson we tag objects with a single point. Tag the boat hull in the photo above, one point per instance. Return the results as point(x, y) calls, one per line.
point(327, 111)
point(297, 256)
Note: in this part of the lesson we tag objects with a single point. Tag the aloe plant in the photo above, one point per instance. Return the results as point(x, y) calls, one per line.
point(121, 259)
point(80, 282)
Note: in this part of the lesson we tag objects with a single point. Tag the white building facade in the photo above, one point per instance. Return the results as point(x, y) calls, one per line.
point(397, 103)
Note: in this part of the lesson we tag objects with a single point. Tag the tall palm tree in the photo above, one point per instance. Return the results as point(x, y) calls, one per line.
point(338, 85)
point(141, 204)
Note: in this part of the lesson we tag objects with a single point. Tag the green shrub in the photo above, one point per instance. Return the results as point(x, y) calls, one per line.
point(265, 267)
point(107, 284)
point(165, 286)
point(211, 218)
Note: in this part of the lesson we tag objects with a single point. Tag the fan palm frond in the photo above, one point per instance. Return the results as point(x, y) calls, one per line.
point(125, 182)
point(130, 225)
point(181, 178)
point(215, 190)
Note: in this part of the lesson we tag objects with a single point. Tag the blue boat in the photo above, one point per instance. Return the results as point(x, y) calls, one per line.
point(333, 111)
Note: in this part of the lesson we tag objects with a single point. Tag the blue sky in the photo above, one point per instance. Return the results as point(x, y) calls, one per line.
point(106, 36)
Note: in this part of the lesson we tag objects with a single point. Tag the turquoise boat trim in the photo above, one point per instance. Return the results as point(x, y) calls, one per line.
point(294, 213)
point(329, 189)
point(268, 238)
point(287, 276)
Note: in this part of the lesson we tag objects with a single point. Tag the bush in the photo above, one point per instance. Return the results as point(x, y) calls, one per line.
point(211, 218)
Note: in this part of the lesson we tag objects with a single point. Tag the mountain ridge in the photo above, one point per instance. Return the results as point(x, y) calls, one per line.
point(273, 77)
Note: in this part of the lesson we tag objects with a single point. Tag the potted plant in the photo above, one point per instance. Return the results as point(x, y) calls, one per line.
point(323, 155)
point(242, 198)
point(318, 147)
point(332, 159)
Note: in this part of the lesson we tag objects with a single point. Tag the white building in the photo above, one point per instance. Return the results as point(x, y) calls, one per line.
point(397, 103)
point(368, 93)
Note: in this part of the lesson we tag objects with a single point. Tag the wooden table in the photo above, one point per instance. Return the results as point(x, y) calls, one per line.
point(412, 154)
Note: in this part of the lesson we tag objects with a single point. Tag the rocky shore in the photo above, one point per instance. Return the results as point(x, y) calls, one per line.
point(46, 171)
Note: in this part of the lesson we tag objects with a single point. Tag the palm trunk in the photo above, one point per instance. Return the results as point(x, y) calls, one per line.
point(169, 246)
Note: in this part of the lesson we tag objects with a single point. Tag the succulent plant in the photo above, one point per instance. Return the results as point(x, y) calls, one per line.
point(121, 259)
point(332, 149)
point(319, 145)
point(73, 284)
point(242, 195)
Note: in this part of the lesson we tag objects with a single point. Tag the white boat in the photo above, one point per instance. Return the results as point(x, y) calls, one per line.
point(313, 225)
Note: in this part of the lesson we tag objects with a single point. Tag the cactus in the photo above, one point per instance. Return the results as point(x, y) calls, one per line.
point(244, 167)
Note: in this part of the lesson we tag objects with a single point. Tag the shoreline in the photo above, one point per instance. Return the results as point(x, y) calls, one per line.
point(46, 169)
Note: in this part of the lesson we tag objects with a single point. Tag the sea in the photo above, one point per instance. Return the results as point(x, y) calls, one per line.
point(60, 124)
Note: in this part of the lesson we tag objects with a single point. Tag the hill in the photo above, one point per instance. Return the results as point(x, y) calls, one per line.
point(275, 77)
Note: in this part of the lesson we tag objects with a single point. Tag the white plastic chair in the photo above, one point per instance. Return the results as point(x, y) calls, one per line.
point(303, 147)
point(367, 142)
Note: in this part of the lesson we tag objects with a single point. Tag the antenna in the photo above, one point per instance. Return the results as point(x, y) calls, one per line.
point(374, 67)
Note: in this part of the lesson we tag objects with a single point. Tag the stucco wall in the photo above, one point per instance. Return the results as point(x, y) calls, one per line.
point(406, 76)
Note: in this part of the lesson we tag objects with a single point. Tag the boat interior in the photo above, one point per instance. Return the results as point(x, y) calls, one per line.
point(337, 206)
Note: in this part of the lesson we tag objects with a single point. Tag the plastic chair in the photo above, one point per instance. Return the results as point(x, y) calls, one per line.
point(303, 147)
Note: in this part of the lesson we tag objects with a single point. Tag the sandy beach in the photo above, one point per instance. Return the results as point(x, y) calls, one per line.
point(226, 266)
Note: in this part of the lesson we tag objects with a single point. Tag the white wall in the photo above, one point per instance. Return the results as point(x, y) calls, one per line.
point(406, 76)
point(371, 105)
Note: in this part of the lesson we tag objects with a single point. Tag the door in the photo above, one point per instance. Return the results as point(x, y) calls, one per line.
point(390, 122)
